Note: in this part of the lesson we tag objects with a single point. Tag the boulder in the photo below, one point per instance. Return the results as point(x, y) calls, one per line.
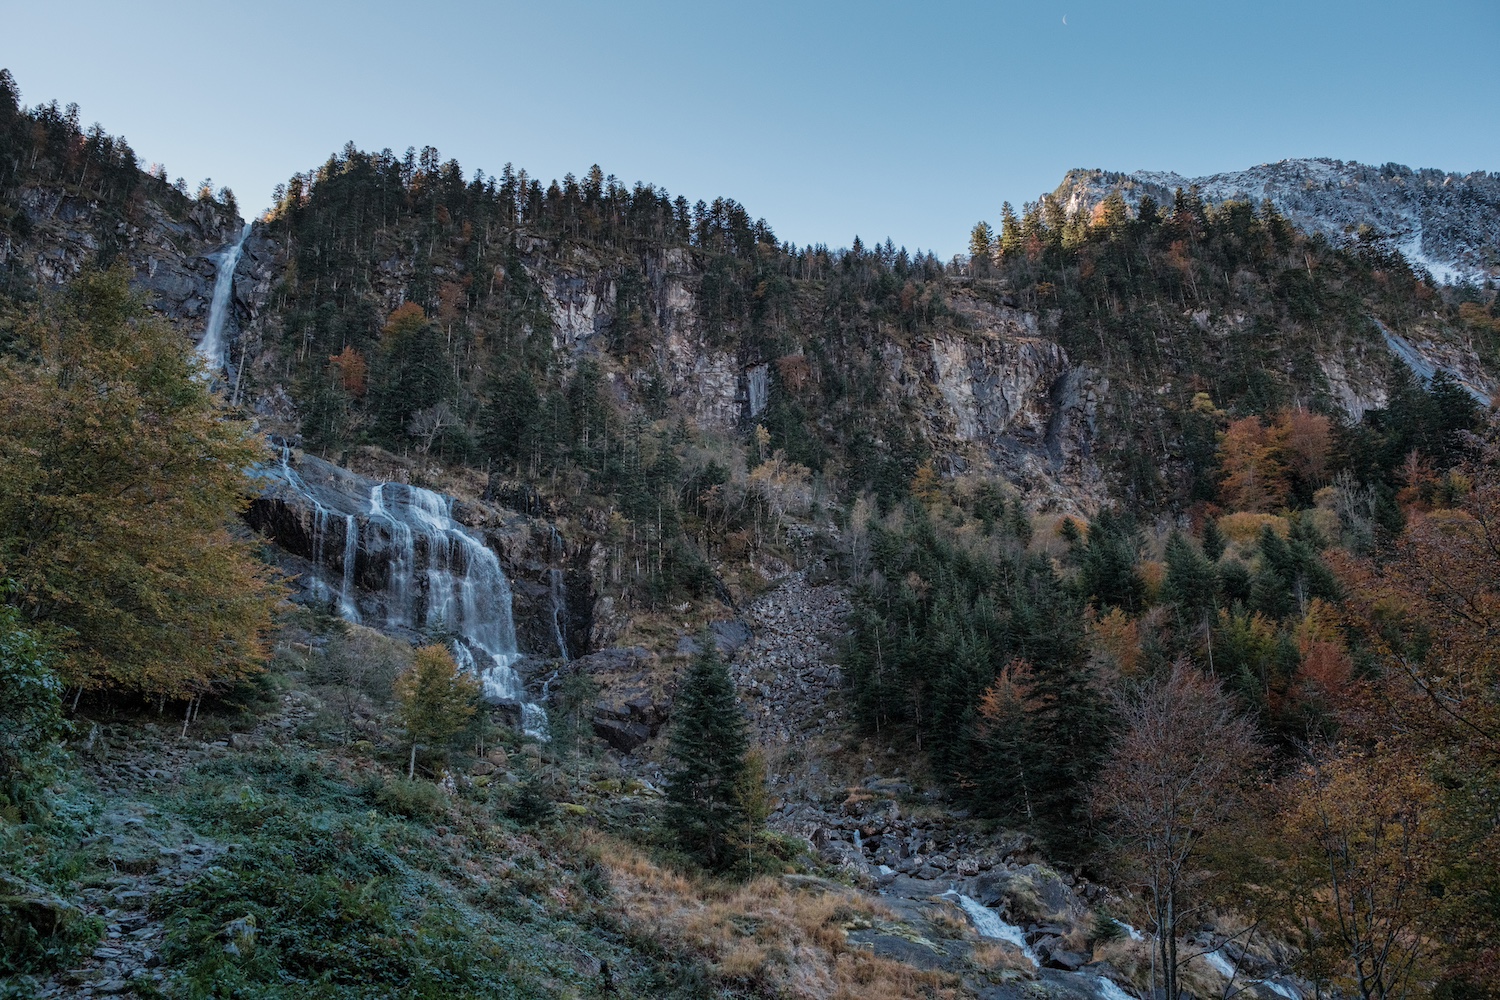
point(1032, 892)
point(620, 734)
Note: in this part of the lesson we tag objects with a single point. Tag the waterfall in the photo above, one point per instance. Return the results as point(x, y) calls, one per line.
point(211, 347)
point(989, 924)
point(423, 570)
point(463, 593)
point(1221, 964)
point(347, 605)
point(559, 605)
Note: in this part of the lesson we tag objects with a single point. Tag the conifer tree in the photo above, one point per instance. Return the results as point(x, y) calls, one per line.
point(981, 243)
point(531, 804)
point(705, 807)
point(1214, 542)
point(1190, 579)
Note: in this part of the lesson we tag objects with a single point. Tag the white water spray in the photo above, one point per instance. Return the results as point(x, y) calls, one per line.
point(211, 347)
point(466, 592)
point(1110, 990)
point(990, 924)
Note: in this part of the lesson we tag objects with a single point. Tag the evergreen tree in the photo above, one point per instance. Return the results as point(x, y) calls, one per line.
point(1455, 412)
point(531, 804)
point(1190, 580)
point(1106, 558)
point(415, 370)
point(981, 244)
point(1214, 542)
point(509, 425)
point(705, 807)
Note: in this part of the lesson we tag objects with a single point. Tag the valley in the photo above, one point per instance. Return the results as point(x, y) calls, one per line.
point(367, 561)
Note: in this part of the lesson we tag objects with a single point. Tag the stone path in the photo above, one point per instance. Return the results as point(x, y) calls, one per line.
point(150, 853)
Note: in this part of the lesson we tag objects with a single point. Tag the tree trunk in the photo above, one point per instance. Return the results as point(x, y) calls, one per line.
point(411, 770)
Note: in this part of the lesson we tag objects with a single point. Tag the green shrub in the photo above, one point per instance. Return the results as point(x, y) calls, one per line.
point(40, 930)
point(31, 719)
point(412, 799)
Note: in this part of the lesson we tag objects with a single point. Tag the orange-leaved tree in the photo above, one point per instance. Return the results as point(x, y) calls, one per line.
point(121, 474)
point(1425, 617)
point(1363, 843)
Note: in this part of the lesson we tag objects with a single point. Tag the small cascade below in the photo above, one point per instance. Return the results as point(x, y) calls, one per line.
point(990, 924)
point(1230, 970)
point(211, 347)
point(1221, 964)
point(422, 573)
point(1110, 990)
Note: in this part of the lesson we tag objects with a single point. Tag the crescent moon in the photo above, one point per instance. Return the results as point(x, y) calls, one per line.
point(1065, 20)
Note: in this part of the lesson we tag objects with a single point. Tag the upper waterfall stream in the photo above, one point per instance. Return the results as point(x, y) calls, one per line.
point(211, 347)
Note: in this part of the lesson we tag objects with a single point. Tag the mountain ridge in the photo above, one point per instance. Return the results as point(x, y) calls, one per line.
point(1448, 223)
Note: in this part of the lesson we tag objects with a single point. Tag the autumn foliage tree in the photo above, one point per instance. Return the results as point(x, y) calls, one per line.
point(1427, 617)
point(121, 474)
point(1362, 839)
point(1263, 464)
point(435, 701)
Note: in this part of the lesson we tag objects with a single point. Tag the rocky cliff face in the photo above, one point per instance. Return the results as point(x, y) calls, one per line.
point(167, 246)
point(339, 535)
point(992, 392)
point(1447, 223)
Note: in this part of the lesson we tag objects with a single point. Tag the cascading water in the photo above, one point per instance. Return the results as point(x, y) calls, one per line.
point(1230, 970)
point(1221, 964)
point(990, 924)
point(211, 347)
point(466, 594)
point(425, 572)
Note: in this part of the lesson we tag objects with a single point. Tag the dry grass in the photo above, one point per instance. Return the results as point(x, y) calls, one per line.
point(766, 933)
point(1243, 527)
point(1132, 958)
point(1002, 956)
point(950, 922)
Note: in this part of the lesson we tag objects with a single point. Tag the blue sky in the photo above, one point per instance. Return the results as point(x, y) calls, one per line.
point(829, 119)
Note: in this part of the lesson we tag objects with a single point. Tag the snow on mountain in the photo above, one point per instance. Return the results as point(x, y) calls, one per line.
point(1446, 223)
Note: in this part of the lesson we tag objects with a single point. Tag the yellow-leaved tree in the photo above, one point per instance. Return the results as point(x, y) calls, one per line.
point(435, 700)
point(121, 474)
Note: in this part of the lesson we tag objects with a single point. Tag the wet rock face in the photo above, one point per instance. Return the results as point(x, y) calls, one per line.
point(327, 531)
